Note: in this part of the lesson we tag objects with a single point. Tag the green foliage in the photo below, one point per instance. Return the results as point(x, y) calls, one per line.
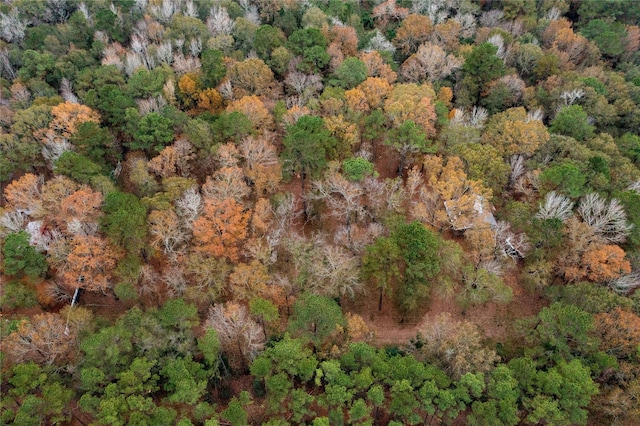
point(186, 380)
point(77, 167)
point(312, 46)
point(316, 318)
point(566, 178)
point(572, 121)
point(125, 220)
point(268, 39)
point(231, 127)
point(418, 248)
point(479, 68)
point(35, 397)
point(96, 143)
point(209, 345)
point(351, 72)
point(609, 36)
point(213, 68)
point(151, 133)
point(21, 258)
point(407, 139)
point(589, 297)
point(307, 144)
point(16, 294)
point(358, 168)
point(147, 83)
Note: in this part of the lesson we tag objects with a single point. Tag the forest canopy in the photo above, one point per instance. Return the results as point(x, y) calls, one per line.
point(320, 212)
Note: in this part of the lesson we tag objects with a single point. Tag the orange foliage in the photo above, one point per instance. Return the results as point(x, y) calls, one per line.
point(254, 109)
point(411, 102)
point(210, 100)
point(603, 263)
point(619, 332)
point(377, 67)
point(375, 90)
point(356, 100)
point(346, 38)
point(68, 116)
point(221, 228)
point(90, 263)
point(84, 205)
point(249, 281)
point(24, 193)
point(447, 34)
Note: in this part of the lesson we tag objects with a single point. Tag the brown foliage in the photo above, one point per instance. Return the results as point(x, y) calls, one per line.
point(44, 340)
point(24, 194)
point(67, 116)
point(83, 205)
point(414, 31)
point(254, 109)
point(376, 67)
point(251, 77)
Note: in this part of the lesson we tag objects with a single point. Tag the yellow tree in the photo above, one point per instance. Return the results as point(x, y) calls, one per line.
point(410, 102)
point(377, 67)
point(512, 133)
point(221, 228)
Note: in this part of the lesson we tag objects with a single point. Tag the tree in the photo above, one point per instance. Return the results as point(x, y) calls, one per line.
point(251, 77)
point(572, 121)
point(407, 139)
point(221, 228)
point(186, 380)
point(90, 263)
point(25, 193)
point(410, 102)
point(619, 332)
point(418, 248)
point(20, 257)
point(240, 336)
point(414, 31)
point(430, 62)
point(253, 108)
point(153, 132)
point(316, 319)
point(44, 339)
point(351, 73)
point(511, 133)
point(455, 346)
point(480, 67)
point(125, 221)
point(307, 144)
point(96, 142)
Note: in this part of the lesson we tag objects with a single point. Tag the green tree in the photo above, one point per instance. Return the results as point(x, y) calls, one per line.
point(213, 68)
point(572, 121)
point(315, 318)
point(186, 380)
point(268, 39)
point(358, 168)
point(77, 166)
point(125, 221)
point(407, 140)
point(96, 142)
point(380, 264)
point(480, 67)
point(351, 72)
point(20, 257)
point(307, 144)
point(610, 36)
point(419, 251)
point(312, 46)
point(152, 132)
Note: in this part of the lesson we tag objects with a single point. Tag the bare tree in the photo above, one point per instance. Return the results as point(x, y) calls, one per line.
point(189, 206)
point(219, 22)
point(609, 221)
point(626, 283)
point(12, 28)
point(335, 272)
point(228, 182)
point(556, 206)
point(240, 336)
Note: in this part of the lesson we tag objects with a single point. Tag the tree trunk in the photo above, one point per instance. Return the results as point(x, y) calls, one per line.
point(380, 300)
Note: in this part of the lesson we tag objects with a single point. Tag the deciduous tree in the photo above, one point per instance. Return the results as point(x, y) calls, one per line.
point(90, 263)
point(221, 228)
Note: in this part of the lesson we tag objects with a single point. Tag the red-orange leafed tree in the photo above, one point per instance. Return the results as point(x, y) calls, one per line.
point(91, 263)
point(221, 228)
point(83, 205)
point(619, 333)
